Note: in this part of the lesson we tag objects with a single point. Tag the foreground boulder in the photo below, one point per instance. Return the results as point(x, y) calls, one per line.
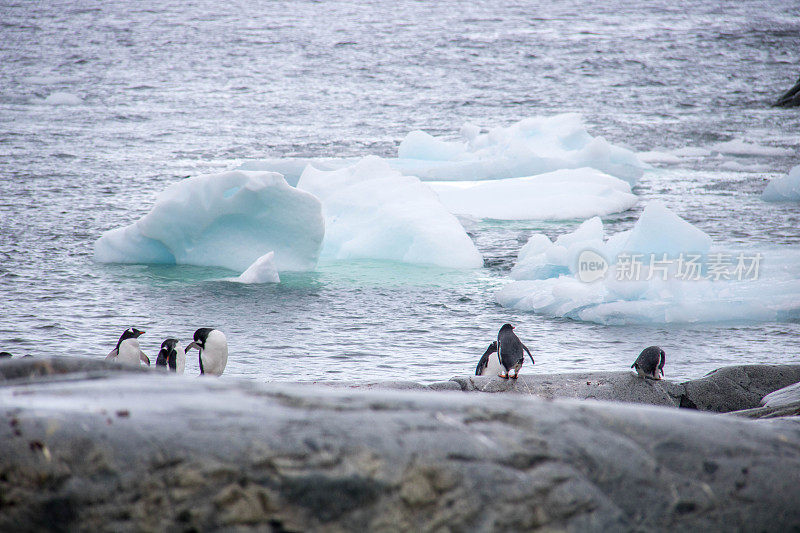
point(117, 450)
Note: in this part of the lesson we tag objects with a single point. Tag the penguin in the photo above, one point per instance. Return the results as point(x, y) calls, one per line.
point(213, 348)
point(488, 365)
point(127, 350)
point(509, 351)
point(172, 356)
point(4, 355)
point(650, 363)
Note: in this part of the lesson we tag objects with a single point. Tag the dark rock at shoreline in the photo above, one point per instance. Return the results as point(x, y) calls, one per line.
point(790, 98)
point(150, 451)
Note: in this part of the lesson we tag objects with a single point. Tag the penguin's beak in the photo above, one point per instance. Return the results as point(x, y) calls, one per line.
point(192, 345)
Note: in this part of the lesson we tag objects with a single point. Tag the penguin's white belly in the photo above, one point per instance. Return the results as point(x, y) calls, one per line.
point(129, 352)
point(493, 367)
point(215, 353)
point(180, 359)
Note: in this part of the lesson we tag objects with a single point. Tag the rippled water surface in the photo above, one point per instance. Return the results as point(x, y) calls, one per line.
point(171, 89)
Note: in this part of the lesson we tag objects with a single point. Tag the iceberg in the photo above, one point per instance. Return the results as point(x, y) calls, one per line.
point(664, 270)
point(531, 146)
point(374, 212)
point(559, 195)
point(226, 220)
point(784, 189)
point(292, 168)
point(261, 271)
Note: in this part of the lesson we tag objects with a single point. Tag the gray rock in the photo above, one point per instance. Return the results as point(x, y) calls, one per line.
point(782, 397)
point(735, 388)
point(727, 389)
point(780, 411)
point(610, 386)
point(125, 451)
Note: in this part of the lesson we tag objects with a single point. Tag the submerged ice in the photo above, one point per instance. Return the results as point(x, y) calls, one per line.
point(559, 195)
point(374, 212)
point(664, 270)
point(226, 220)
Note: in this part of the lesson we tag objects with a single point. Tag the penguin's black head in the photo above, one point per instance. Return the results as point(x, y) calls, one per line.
point(169, 344)
point(201, 335)
point(133, 332)
point(4, 355)
point(507, 327)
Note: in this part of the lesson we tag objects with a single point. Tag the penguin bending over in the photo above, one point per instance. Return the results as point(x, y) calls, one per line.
point(172, 356)
point(127, 350)
point(650, 363)
point(213, 348)
point(486, 362)
point(509, 351)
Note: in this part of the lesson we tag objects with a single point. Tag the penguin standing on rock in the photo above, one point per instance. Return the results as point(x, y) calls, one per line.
point(509, 351)
point(213, 348)
point(650, 363)
point(172, 356)
point(488, 365)
point(127, 350)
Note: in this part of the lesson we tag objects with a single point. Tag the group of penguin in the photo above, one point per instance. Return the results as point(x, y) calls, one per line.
point(510, 356)
point(210, 343)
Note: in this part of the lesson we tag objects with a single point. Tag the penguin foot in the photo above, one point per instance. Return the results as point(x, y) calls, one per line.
point(504, 376)
point(514, 376)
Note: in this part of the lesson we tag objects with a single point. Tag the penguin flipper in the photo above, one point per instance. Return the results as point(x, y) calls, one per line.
point(144, 358)
point(529, 354)
point(112, 354)
point(200, 358)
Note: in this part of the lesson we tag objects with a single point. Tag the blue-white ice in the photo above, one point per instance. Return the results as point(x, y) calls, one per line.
point(784, 189)
point(374, 212)
point(560, 195)
point(531, 146)
point(263, 270)
point(528, 147)
point(227, 220)
point(744, 285)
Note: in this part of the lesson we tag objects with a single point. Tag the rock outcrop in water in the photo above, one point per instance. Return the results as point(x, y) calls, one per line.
point(103, 448)
point(790, 98)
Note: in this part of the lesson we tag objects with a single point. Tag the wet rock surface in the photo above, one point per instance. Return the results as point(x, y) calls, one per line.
point(128, 451)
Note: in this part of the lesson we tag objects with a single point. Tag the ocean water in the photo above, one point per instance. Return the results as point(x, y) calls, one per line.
point(171, 89)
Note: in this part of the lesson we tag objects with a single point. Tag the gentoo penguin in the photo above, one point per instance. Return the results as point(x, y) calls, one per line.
point(213, 347)
point(488, 365)
point(650, 363)
point(172, 356)
point(4, 355)
point(128, 350)
point(509, 351)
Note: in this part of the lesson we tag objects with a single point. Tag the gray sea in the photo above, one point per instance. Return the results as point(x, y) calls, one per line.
point(172, 89)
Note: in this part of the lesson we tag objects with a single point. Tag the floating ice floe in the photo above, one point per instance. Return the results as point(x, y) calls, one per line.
point(374, 212)
point(742, 147)
point(227, 220)
point(559, 195)
point(62, 98)
point(261, 271)
point(528, 147)
point(664, 270)
point(784, 189)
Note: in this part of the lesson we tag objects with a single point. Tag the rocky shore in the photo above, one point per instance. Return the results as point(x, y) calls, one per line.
point(87, 445)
